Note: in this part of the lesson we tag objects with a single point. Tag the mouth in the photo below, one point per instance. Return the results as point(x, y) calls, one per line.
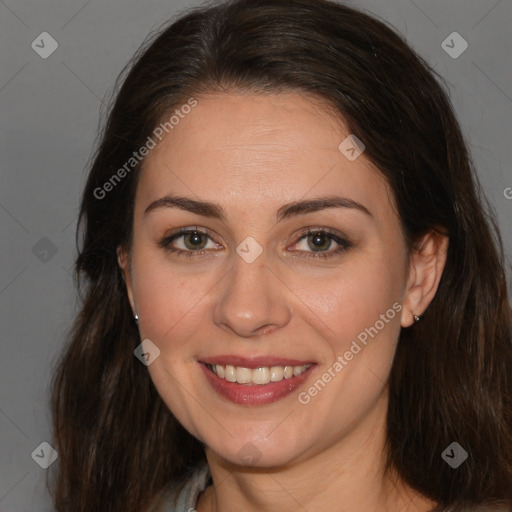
point(257, 376)
point(255, 381)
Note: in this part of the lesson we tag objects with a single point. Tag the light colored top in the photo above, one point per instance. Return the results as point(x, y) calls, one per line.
point(184, 498)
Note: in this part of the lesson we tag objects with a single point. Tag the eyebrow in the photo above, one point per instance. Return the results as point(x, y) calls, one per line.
point(214, 210)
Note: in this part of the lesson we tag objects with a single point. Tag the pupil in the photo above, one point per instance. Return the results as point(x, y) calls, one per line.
point(194, 240)
point(318, 239)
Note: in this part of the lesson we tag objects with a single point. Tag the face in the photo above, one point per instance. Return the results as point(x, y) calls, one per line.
point(270, 283)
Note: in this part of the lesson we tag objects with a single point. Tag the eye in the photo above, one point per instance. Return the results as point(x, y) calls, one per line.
point(318, 241)
point(315, 241)
point(194, 242)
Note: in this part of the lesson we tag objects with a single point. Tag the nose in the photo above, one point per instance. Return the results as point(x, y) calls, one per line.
point(252, 300)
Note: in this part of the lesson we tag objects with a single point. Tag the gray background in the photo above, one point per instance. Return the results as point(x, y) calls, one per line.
point(49, 121)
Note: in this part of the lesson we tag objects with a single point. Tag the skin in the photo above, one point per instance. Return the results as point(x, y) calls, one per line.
point(252, 153)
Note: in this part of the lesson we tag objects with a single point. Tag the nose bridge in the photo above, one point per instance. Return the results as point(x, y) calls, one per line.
point(251, 301)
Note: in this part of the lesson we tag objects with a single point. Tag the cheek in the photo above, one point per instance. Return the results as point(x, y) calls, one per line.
point(170, 305)
point(360, 326)
point(171, 379)
point(352, 299)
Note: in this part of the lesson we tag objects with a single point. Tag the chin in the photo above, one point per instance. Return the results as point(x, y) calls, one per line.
point(248, 453)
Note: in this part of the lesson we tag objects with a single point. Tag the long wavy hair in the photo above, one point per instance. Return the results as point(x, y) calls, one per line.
point(119, 445)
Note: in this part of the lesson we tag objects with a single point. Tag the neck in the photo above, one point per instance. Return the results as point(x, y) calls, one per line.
point(346, 476)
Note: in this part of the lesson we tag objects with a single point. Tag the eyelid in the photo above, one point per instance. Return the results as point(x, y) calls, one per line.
point(167, 239)
point(332, 234)
point(342, 240)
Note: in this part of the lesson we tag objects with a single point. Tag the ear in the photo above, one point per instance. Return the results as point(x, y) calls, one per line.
point(123, 258)
point(426, 266)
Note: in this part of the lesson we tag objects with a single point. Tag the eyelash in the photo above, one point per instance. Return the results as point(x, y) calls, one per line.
point(344, 244)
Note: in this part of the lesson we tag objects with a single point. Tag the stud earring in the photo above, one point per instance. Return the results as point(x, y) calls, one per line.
point(136, 318)
point(416, 318)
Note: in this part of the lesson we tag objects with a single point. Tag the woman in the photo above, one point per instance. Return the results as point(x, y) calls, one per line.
point(295, 299)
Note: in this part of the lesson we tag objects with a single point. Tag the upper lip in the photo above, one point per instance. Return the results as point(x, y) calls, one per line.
point(253, 362)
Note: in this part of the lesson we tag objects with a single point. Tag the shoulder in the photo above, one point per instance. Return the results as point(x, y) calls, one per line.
point(484, 508)
point(183, 497)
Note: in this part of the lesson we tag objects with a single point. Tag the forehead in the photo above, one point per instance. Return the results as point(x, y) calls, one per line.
point(257, 150)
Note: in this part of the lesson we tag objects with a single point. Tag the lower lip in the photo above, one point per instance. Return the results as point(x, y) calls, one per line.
point(254, 394)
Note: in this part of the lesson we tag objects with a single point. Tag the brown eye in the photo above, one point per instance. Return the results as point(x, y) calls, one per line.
point(319, 241)
point(188, 242)
point(195, 240)
point(316, 243)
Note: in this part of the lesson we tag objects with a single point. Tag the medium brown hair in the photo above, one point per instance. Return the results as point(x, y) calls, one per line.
point(451, 379)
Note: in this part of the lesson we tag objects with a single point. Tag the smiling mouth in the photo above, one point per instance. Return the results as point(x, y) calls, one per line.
point(256, 376)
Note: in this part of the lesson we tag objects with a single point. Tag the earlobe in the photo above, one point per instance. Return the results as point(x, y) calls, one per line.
point(426, 267)
point(123, 260)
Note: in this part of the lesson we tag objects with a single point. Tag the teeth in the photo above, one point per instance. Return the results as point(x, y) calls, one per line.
point(276, 373)
point(243, 375)
point(230, 373)
point(297, 370)
point(260, 376)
